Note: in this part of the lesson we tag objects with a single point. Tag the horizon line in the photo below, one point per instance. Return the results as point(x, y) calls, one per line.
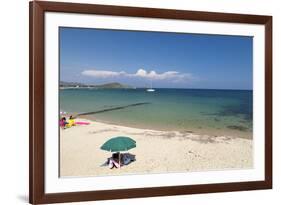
point(136, 87)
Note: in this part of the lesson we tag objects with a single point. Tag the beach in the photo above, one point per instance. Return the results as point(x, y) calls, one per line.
point(156, 151)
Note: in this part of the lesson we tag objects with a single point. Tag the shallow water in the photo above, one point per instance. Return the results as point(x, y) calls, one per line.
point(216, 112)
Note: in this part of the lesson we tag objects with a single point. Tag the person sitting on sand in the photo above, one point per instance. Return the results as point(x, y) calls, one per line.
point(114, 161)
point(63, 122)
point(71, 121)
point(125, 159)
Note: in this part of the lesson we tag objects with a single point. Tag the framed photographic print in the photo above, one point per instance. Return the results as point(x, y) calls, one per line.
point(138, 102)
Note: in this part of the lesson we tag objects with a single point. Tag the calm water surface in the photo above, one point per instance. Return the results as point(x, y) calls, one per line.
point(216, 112)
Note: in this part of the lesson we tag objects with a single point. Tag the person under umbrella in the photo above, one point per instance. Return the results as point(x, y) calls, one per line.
point(118, 144)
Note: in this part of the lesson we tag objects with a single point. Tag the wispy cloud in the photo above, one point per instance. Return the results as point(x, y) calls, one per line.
point(141, 73)
point(101, 73)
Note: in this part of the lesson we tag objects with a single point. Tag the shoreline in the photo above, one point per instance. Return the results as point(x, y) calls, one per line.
point(156, 151)
point(198, 131)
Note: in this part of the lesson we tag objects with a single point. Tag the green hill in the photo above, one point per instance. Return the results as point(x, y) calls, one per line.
point(113, 85)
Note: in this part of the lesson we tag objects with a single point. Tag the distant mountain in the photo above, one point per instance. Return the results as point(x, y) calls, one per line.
point(113, 85)
point(70, 84)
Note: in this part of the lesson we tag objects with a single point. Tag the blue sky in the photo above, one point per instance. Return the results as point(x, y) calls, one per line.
point(166, 59)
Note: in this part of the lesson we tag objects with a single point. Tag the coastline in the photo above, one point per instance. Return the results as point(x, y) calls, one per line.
point(156, 152)
point(200, 130)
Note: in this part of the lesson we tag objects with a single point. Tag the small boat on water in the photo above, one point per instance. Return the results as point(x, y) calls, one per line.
point(150, 89)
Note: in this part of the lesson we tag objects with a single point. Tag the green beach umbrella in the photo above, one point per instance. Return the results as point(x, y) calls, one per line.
point(118, 144)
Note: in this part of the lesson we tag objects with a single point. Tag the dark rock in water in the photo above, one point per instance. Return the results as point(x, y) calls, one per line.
point(216, 119)
point(237, 127)
point(112, 108)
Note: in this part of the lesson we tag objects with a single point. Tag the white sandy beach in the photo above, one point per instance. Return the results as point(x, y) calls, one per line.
point(156, 151)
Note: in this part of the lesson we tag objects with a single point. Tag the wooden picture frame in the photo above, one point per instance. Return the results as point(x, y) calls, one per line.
point(37, 193)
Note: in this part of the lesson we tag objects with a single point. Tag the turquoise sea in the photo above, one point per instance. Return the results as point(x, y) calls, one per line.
point(203, 111)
